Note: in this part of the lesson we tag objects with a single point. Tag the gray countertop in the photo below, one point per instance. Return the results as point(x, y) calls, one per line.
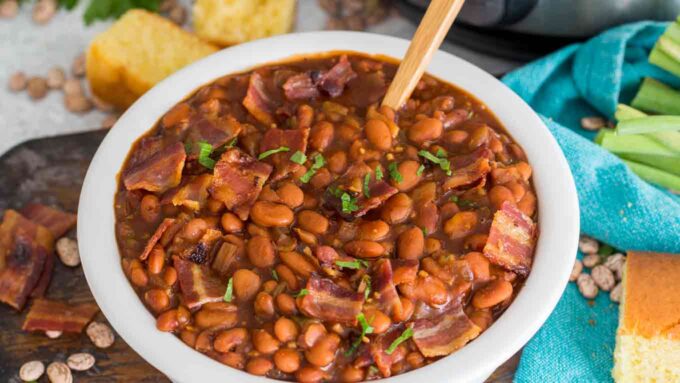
point(34, 49)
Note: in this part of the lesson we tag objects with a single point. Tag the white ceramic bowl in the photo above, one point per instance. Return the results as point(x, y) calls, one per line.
point(557, 203)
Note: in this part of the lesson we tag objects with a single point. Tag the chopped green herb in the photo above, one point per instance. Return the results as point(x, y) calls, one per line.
point(394, 172)
point(453, 198)
point(402, 338)
point(229, 294)
point(464, 203)
point(205, 150)
point(420, 170)
point(441, 153)
point(605, 250)
point(424, 229)
point(106, 9)
point(378, 173)
point(188, 146)
point(349, 203)
point(365, 329)
point(335, 191)
point(273, 151)
point(299, 157)
point(275, 275)
point(367, 180)
point(367, 290)
point(355, 264)
point(232, 142)
point(319, 162)
point(443, 163)
point(302, 293)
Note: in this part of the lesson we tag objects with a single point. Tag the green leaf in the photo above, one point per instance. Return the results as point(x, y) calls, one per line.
point(367, 291)
point(275, 275)
point(402, 338)
point(394, 172)
point(378, 173)
point(349, 203)
point(299, 157)
point(302, 293)
point(355, 264)
point(443, 163)
point(420, 170)
point(365, 329)
point(367, 180)
point(229, 294)
point(273, 151)
point(205, 150)
point(319, 162)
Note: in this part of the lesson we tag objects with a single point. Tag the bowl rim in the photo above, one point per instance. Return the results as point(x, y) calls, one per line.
point(553, 181)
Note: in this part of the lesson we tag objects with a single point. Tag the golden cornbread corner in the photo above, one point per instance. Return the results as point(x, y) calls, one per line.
point(137, 52)
point(648, 338)
point(229, 22)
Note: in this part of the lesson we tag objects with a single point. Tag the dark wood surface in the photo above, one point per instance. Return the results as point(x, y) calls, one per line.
point(51, 171)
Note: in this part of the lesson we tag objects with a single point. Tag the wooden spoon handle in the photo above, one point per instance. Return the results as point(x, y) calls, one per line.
point(427, 39)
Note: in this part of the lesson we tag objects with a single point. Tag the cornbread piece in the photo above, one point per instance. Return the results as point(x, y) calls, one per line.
point(137, 52)
point(228, 22)
point(648, 338)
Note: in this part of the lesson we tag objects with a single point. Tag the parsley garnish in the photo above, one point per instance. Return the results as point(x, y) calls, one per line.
point(335, 191)
point(402, 338)
point(319, 162)
point(302, 293)
point(349, 203)
point(365, 329)
point(275, 275)
point(424, 229)
point(443, 163)
point(187, 147)
point(441, 153)
point(355, 264)
point(420, 170)
point(453, 198)
point(367, 179)
point(394, 173)
point(378, 173)
point(205, 150)
point(367, 290)
point(273, 151)
point(229, 294)
point(298, 157)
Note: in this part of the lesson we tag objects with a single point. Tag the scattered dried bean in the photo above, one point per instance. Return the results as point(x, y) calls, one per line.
point(587, 286)
point(617, 293)
point(9, 9)
point(18, 81)
point(616, 263)
point(576, 270)
point(44, 10)
point(72, 87)
point(77, 103)
point(603, 277)
point(591, 260)
point(588, 245)
point(593, 123)
point(55, 78)
point(100, 334)
point(78, 66)
point(59, 372)
point(31, 371)
point(81, 361)
point(37, 88)
point(67, 249)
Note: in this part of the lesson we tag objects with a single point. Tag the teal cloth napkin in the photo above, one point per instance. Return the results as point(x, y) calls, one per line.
point(576, 343)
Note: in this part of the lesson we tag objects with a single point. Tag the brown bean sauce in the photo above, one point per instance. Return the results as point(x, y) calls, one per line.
point(283, 223)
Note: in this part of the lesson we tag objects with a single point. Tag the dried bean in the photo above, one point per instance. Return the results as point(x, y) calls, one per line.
point(591, 260)
point(78, 66)
point(31, 371)
point(9, 9)
point(617, 293)
point(18, 81)
point(576, 270)
point(37, 88)
point(588, 245)
point(100, 334)
point(67, 249)
point(55, 78)
point(80, 362)
point(44, 10)
point(603, 277)
point(587, 286)
point(593, 123)
point(616, 263)
point(59, 372)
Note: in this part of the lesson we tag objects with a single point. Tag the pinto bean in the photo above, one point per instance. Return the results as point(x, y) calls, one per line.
point(337, 162)
point(189, 337)
point(156, 260)
point(378, 134)
point(157, 299)
point(411, 243)
point(461, 224)
point(167, 321)
point(259, 365)
point(481, 318)
point(312, 222)
point(492, 294)
point(287, 276)
point(246, 284)
point(297, 262)
point(311, 334)
point(479, 136)
point(309, 374)
point(264, 305)
point(285, 304)
point(211, 316)
point(285, 329)
point(364, 249)
point(287, 360)
point(291, 194)
point(397, 209)
point(321, 179)
point(499, 194)
point(264, 342)
point(378, 320)
point(321, 135)
point(409, 174)
point(269, 214)
point(455, 137)
point(231, 223)
point(150, 208)
point(260, 250)
point(352, 374)
point(528, 204)
point(427, 129)
point(323, 351)
point(479, 265)
point(432, 245)
point(226, 341)
point(232, 359)
point(170, 276)
point(404, 311)
point(373, 230)
point(476, 242)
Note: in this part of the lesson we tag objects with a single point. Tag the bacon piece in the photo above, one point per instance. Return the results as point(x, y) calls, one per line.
point(300, 87)
point(50, 315)
point(379, 191)
point(157, 173)
point(198, 284)
point(378, 348)
point(192, 195)
point(227, 255)
point(202, 251)
point(511, 239)
point(56, 221)
point(331, 302)
point(383, 286)
point(445, 333)
point(404, 270)
point(258, 103)
point(238, 181)
point(469, 169)
point(294, 139)
point(167, 222)
point(334, 81)
point(215, 132)
point(45, 277)
point(24, 247)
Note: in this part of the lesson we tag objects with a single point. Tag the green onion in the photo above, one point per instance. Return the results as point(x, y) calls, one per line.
point(402, 338)
point(319, 162)
point(229, 294)
point(441, 153)
point(420, 170)
point(367, 180)
point(443, 163)
point(232, 142)
point(349, 203)
point(302, 293)
point(394, 172)
point(273, 151)
point(275, 275)
point(299, 157)
point(644, 149)
point(424, 229)
point(365, 329)
point(467, 203)
point(205, 150)
point(655, 96)
point(378, 173)
point(355, 264)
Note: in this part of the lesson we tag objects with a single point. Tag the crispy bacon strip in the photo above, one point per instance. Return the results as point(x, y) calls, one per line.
point(197, 283)
point(215, 132)
point(45, 277)
point(227, 255)
point(49, 315)
point(445, 333)
point(300, 87)
point(512, 238)
point(383, 286)
point(379, 191)
point(469, 169)
point(294, 139)
point(258, 103)
point(331, 302)
point(238, 181)
point(167, 222)
point(159, 172)
point(202, 251)
point(56, 221)
point(192, 195)
point(23, 250)
point(378, 348)
point(335, 80)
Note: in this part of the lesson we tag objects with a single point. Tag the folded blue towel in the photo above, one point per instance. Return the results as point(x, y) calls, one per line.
point(576, 343)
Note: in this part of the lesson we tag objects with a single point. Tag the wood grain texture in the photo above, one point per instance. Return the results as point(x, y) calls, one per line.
point(51, 171)
point(428, 37)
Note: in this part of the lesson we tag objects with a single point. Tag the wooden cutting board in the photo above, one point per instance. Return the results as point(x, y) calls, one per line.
point(51, 171)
